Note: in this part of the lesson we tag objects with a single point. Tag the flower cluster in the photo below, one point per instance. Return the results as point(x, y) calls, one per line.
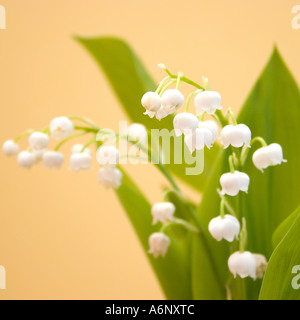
point(199, 133)
point(61, 130)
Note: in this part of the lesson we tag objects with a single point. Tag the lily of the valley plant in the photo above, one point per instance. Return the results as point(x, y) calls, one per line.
point(204, 124)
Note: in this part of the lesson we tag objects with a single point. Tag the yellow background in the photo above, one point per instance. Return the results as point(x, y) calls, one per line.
point(62, 235)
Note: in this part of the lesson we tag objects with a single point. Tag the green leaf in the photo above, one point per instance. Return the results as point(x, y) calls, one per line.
point(281, 281)
point(283, 228)
point(173, 270)
point(272, 111)
point(130, 80)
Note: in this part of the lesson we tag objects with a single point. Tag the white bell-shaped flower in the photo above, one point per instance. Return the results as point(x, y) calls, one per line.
point(212, 126)
point(207, 101)
point(38, 140)
point(77, 148)
point(185, 123)
point(270, 155)
point(61, 128)
point(138, 133)
point(151, 102)
point(159, 244)
point(26, 159)
point(242, 264)
point(261, 265)
point(53, 159)
point(161, 113)
point(234, 182)
point(163, 212)
point(172, 100)
point(200, 138)
point(10, 148)
point(227, 227)
point(236, 136)
point(80, 161)
point(107, 156)
point(110, 177)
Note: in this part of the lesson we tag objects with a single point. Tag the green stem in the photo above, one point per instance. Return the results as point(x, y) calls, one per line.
point(24, 134)
point(245, 149)
point(222, 120)
point(205, 83)
point(227, 205)
point(231, 166)
point(186, 80)
point(46, 130)
point(189, 99)
point(201, 117)
point(260, 140)
point(68, 139)
point(86, 129)
point(176, 222)
point(84, 120)
point(243, 235)
point(91, 141)
point(229, 113)
point(222, 208)
point(179, 76)
point(244, 155)
point(167, 86)
point(162, 83)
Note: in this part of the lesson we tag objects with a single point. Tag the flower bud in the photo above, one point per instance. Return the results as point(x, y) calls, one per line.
point(61, 128)
point(80, 160)
point(107, 156)
point(232, 183)
point(10, 148)
point(196, 141)
point(207, 101)
point(151, 102)
point(236, 136)
point(185, 123)
point(242, 264)
point(138, 132)
point(53, 159)
point(163, 212)
point(212, 126)
point(38, 140)
point(77, 148)
point(159, 244)
point(172, 100)
point(26, 159)
point(162, 66)
point(227, 227)
point(268, 156)
point(261, 265)
point(110, 177)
